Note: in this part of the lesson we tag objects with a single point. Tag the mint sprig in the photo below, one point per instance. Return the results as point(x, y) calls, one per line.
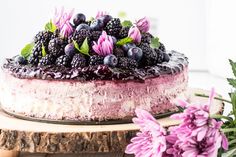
point(127, 23)
point(124, 41)
point(44, 53)
point(84, 48)
point(50, 26)
point(155, 42)
point(27, 50)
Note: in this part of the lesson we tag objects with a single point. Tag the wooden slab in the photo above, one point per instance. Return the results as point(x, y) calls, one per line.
point(27, 136)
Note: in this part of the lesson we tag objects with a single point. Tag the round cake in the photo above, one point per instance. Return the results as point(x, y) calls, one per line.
point(93, 70)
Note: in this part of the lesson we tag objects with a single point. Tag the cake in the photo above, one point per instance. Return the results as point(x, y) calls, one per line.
point(93, 70)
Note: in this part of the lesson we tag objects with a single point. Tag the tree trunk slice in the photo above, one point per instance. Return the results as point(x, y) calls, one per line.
point(6, 153)
point(28, 136)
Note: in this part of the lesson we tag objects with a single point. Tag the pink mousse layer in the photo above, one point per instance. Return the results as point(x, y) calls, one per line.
point(92, 100)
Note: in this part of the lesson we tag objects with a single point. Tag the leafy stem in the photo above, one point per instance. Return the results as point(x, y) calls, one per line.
point(217, 98)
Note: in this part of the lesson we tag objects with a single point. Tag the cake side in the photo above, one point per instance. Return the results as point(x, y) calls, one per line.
point(93, 100)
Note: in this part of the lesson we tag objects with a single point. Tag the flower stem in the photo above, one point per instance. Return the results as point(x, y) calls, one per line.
point(232, 142)
point(207, 96)
point(217, 116)
point(228, 130)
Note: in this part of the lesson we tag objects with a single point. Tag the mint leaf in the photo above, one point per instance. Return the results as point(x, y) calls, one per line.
point(44, 53)
point(84, 48)
point(50, 26)
point(124, 41)
point(27, 50)
point(155, 43)
point(233, 65)
point(232, 82)
point(126, 23)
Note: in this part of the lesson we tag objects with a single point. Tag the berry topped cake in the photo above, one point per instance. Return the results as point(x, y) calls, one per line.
point(93, 70)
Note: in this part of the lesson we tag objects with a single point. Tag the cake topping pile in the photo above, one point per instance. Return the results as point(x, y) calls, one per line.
point(75, 43)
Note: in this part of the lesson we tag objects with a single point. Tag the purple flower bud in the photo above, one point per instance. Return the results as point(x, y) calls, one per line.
point(135, 34)
point(62, 21)
point(100, 14)
point(143, 24)
point(104, 45)
point(67, 29)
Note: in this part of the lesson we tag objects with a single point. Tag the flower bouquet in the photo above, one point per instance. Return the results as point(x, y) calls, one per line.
point(199, 134)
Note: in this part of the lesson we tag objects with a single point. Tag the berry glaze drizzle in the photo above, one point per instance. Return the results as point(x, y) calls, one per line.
point(176, 64)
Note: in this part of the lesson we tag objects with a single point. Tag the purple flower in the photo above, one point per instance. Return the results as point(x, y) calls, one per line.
point(135, 34)
point(100, 14)
point(151, 140)
point(198, 134)
point(143, 24)
point(62, 21)
point(104, 45)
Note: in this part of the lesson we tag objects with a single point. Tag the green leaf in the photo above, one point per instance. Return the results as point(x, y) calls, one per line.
point(233, 65)
point(27, 50)
point(232, 82)
point(44, 53)
point(230, 153)
point(84, 48)
point(124, 41)
point(126, 23)
point(155, 43)
point(50, 26)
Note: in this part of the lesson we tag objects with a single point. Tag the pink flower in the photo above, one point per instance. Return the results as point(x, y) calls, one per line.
point(104, 45)
point(151, 140)
point(143, 24)
point(198, 135)
point(62, 21)
point(100, 14)
point(135, 34)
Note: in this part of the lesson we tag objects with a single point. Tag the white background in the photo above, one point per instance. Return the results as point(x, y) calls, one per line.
point(205, 30)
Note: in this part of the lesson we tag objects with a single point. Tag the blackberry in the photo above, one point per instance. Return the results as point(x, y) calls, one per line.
point(127, 63)
point(79, 36)
point(96, 60)
point(95, 35)
point(162, 47)
point(118, 52)
point(149, 55)
point(36, 54)
point(56, 46)
point(49, 59)
point(63, 60)
point(113, 27)
point(78, 61)
point(33, 60)
point(124, 32)
point(43, 37)
point(146, 38)
point(160, 55)
point(56, 34)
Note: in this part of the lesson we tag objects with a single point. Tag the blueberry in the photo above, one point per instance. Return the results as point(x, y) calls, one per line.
point(78, 19)
point(135, 53)
point(20, 60)
point(126, 47)
point(110, 60)
point(114, 40)
point(82, 26)
point(105, 19)
point(166, 57)
point(97, 25)
point(70, 50)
